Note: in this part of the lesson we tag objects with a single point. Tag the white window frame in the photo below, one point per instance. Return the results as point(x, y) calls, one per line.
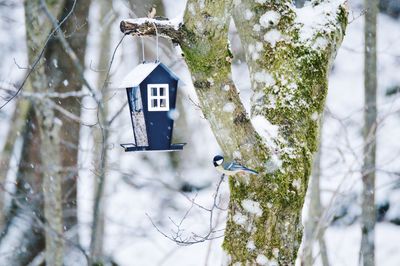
point(157, 97)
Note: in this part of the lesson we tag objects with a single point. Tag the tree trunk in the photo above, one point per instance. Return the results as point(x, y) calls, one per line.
point(65, 77)
point(17, 128)
point(289, 75)
point(289, 64)
point(314, 226)
point(50, 143)
point(51, 162)
point(368, 216)
point(97, 238)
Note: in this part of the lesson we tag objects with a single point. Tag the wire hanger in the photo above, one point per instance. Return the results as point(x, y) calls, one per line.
point(157, 46)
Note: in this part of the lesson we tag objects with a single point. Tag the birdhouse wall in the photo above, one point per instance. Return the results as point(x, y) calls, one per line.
point(158, 123)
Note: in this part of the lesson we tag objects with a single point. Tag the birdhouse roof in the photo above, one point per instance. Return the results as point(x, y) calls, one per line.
point(142, 71)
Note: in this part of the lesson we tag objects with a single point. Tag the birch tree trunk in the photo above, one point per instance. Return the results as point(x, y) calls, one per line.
point(289, 61)
point(368, 216)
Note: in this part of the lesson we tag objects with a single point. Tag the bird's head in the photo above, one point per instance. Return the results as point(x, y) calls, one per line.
point(218, 160)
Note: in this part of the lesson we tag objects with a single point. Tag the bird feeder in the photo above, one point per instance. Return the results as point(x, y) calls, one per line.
point(152, 90)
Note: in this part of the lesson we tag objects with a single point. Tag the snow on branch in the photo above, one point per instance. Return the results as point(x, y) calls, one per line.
point(151, 27)
point(319, 19)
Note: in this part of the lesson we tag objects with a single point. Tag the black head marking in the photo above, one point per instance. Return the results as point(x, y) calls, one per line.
point(217, 160)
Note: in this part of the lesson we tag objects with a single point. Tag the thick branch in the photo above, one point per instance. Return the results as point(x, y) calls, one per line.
point(147, 27)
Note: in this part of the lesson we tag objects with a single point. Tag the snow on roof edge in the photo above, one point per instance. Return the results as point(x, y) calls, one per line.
point(141, 72)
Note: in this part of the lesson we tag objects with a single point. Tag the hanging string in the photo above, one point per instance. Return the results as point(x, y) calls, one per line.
point(157, 45)
point(143, 59)
point(156, 40)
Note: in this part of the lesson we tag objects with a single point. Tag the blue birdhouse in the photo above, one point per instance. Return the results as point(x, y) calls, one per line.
point(152, 90)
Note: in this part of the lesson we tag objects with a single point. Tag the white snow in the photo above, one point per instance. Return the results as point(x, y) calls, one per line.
point(314, 19)
point(240, 219)
point(269, 19)
point(237, 2)
point(237, 155)
point(173, 114)
point(264, 77)
point(201, 4)
point(264, 261)
point(259, 46)
point(248, 14)
point(273, 36)
point(137, 75)
point(273, 164)
point(315, 116)
point(255, 56)
point(225, 87)
point(192, 9)
point(257, 27)
point(250, 245)
point(252, 207)
point(264, 128)
point(228, 107)
point(296, 184)
point(174, 23)
point(320, 43)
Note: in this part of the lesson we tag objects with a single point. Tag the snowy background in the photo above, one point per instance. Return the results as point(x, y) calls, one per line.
point(140, 186)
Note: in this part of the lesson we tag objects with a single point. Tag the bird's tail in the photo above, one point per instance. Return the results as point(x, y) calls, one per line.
point(254, 172)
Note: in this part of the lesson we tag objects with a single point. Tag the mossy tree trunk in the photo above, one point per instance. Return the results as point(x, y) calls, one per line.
point(289, 59)
point(289, 74)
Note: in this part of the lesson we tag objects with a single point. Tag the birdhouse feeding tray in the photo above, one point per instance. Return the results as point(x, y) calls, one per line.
point(152, 90)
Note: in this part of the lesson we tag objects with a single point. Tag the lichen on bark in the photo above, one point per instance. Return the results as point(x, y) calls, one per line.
point(289, 75)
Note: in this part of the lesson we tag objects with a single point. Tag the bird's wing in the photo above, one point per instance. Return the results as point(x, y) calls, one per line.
point(235, 167)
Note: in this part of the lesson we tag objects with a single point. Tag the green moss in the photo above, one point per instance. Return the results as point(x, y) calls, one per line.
point(290, 62)
point(280, 200)
point(201, 58)
point(51, 3)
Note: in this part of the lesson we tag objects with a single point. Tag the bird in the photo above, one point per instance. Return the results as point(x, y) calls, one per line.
point(230, 168)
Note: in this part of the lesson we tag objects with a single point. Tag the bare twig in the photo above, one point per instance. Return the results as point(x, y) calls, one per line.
point(37, 60)
point(177, 234)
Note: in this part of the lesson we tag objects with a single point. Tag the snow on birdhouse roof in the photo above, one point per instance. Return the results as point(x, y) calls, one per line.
point(142, 71)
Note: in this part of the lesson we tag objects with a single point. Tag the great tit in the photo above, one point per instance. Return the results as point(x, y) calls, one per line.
point(230, 168)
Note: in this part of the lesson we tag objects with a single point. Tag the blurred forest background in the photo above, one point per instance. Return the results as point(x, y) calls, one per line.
point(117, 206)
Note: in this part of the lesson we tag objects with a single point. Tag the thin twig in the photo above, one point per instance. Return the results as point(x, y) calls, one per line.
point(37, 60)
point(195, 238)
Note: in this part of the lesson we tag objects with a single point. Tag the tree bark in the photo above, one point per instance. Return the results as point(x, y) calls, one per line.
point(101, 141)
point(314, 226)
point(65, 77)
point(50, 143)
point(289, 74)
point(16, 130)
point(368, 216)
point(51, 162)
